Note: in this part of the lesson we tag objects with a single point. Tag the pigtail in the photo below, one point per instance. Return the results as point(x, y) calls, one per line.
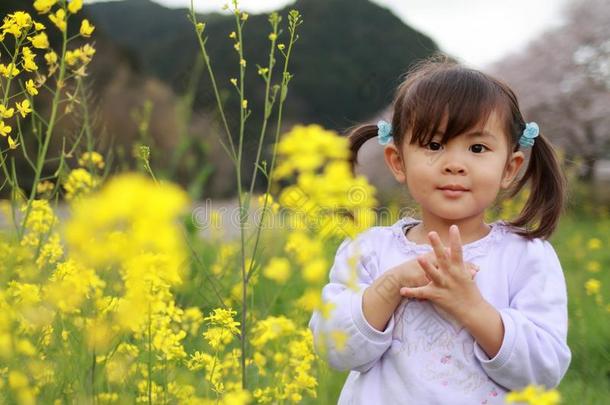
point(548, 192)
point(357, 137)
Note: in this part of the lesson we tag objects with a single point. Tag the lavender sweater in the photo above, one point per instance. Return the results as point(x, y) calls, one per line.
point(424, 356)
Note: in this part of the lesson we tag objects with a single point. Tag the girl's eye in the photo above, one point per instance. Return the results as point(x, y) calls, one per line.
point(478, 148)
point(434, 146)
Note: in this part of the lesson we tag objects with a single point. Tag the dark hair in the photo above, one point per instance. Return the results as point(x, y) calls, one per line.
point(437, 86)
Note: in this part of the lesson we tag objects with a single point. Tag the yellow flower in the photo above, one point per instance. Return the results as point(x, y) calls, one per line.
point(28, 60)
point(59, 19)
point(6, 112)
point(11, 143)
point(4, 129)
point(72, 57)
point(238, 397)
point(93, 158)
point(24, 108)
point(38, 26)
point(278, 270)
point(232, 35)
point(315, 271)
point(40, 41)
point(44, 187)
point(244, 104)
point(51, 57)
point(86, 29)
point(281, 47)
point(310, 300)
point(9, 27)
point(44, 6)
point(224, 318)
point(273, 36)
point(9, 70)
point(17, 380)
point(233, 81)
point(594, 244)
point(534, 395)
point(75, 5)
point(88, 51)
point(263, 71)
point(31, 87)
point(593, 266)
point(244, 16)
point(242, 62)
point(592, 286)
point(16, 23)
point(79, 182)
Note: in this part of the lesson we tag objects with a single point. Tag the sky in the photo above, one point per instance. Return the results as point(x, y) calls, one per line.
point(476, 32)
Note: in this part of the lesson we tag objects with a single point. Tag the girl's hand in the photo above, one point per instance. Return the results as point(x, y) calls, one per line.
point(411, 273)
point(451, 284)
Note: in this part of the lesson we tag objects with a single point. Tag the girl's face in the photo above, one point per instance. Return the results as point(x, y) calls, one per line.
point(461, 178)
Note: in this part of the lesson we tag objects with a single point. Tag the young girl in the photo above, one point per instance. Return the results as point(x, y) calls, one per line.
point(410, 315)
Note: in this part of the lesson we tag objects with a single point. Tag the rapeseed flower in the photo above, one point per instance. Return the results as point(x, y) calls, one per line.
point(594, 244)
point(86, 29)
point(75, 5)
point(6, 112)
point(592, 286)
point(59, 19)
point(534, 395)
point(28, 59)
point(23, 108)
point(278, 270)
point(11, 143)
point(50, 57)
point(39, 41)
point(93, 158)
point(79, 182)
point(44, 6)
point(9, 71)
point(31, 87)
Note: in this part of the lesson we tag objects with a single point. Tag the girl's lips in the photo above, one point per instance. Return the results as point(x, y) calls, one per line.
point(452, 193)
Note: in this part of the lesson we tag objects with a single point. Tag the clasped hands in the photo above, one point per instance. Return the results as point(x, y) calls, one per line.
point(441, 276)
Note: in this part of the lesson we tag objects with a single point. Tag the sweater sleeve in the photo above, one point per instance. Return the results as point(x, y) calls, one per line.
point(534, 348)
point(343, 336)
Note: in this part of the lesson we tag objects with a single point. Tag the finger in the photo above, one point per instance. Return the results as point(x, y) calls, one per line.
point(432, 272)
point(473, 268)
point(439, 249)
point(421, 293)
point(456, 246)
point(431, 257)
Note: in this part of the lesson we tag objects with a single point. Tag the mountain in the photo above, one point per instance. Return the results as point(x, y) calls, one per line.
point(346, 64)
point(347, 61)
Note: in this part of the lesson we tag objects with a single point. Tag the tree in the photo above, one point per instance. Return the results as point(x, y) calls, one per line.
point(563, 82)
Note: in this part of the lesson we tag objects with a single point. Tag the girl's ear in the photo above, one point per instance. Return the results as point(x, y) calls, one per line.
point(512, 168)
point(395, 162)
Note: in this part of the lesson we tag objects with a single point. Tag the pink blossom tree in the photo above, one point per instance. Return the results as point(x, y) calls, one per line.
point(563, 82)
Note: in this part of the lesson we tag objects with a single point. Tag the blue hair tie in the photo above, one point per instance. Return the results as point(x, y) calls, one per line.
point(384, 132)
point(530, 132)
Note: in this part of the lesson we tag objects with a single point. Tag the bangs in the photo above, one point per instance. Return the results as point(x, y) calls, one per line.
point(466, 96)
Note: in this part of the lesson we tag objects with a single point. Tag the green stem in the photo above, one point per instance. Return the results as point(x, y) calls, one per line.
point(206, 59)
point(285, 80)
point(267, 106)
point(42, 154)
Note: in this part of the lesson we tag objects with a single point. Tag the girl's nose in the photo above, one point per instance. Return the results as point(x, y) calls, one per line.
point(454, 167)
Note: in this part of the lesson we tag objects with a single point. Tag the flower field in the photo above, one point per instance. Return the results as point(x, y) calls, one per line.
point(123, 301)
